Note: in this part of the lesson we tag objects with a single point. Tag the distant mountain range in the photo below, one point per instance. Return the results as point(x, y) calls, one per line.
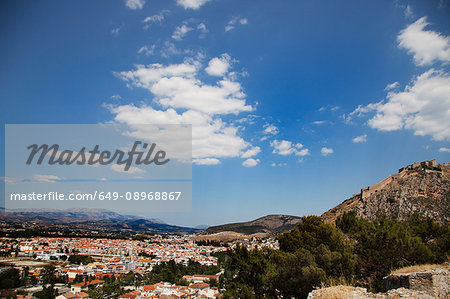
point(91, 220)
point(72, 215)
point(272, 224)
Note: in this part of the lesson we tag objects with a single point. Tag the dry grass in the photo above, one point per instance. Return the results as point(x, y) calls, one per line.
point(335, 282)
point(418, 268)
point(336, 292)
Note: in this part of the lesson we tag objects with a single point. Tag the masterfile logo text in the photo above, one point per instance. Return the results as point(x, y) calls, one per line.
point(132, 168)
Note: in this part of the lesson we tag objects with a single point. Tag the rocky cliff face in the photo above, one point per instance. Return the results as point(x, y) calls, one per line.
point(422, 188)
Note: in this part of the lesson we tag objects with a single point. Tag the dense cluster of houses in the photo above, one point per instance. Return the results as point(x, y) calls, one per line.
point(116, 257)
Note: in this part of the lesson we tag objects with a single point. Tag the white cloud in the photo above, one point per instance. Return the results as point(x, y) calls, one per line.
point(187, 100)
point(329, 107)
point(45, 178)
point(319, 122)
point(9, 180)
point(408, 11)
point(146, 50)
point(279, 164)
point(427, 46)
point(325, 151)
point(158, 18)
point(444, 149)
point(131, 170)
point(206, 161)
point(424, 104)
point(176, 86)
point(202, 28)
point(360, 139)
point(360, 111)
point(250, 162)
point(170, 49)
point(192, 4)
point(285, 147)
point(181, 31)
point(135, 4)
point(424, 107)
point(270, 129)
point(251, 152)
point(116, 31)
point(302, 152)
point(392, 86)
point(234, 21)
point(219, 66)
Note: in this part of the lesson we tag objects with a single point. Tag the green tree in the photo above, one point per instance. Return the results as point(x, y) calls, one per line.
point(47, 293)
point(48, 274)
point(10, 278)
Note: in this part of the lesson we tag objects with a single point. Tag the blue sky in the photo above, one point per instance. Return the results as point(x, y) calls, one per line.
point(295, 105)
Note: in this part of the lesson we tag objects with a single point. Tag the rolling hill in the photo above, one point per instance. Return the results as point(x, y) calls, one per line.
point(273, 224)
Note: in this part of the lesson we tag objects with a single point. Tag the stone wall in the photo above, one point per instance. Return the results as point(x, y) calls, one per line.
point(435, 283)
point(416, 285)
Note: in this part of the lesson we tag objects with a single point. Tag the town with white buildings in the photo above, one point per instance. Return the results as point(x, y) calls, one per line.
point(83, 266)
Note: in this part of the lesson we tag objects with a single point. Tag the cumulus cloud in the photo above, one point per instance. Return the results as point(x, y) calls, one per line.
point(251, 152)
point(192, 4)
point(218, 66)
point(135, 4)
point(176, 86)
point(426, 46)
point(206, 161)
point(270, 129)
point(444, 149)
point(285, 148)
point(325, 151)
point(45, 178)
point(235, 21)
point(131, 170)
point(181, 31)
point(424, 107)
point(360, 139)
point(185, 99)
point(250, 162)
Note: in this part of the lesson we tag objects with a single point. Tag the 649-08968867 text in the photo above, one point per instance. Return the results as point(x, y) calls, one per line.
point(102, 196)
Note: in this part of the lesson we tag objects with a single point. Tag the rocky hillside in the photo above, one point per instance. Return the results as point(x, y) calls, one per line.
point(267, 224)
point(422, 188)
